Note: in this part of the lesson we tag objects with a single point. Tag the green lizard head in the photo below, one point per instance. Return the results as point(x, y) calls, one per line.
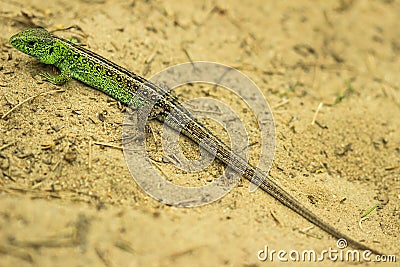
point(36, 42)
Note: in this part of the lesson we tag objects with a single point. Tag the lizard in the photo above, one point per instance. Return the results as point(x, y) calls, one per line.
point(130, 89)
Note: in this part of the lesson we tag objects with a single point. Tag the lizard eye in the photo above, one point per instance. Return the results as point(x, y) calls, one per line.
point(31, 44)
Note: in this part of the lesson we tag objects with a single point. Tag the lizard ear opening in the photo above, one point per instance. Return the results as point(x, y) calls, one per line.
point(51, 50)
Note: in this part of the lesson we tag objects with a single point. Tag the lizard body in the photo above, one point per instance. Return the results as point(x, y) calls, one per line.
point(130, 89)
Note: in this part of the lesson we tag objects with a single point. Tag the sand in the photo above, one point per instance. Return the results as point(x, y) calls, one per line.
point(66, 199)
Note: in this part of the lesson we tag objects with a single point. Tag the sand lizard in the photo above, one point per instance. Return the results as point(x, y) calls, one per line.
point(130, 89)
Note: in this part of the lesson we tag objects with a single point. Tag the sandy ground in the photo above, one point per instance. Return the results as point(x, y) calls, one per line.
point(58, 208)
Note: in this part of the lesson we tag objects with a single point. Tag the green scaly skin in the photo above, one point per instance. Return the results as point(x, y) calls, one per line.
point(131, 89)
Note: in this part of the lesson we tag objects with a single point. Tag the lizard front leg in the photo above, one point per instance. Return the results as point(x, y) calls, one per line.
point(64, 77)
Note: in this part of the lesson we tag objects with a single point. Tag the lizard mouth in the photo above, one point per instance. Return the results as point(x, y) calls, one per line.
point(14, 40)
point(19, 42)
